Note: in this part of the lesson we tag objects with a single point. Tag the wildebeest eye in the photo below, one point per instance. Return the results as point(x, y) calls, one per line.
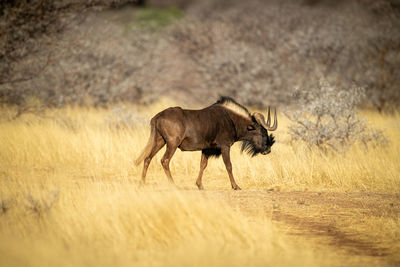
point(250, 128)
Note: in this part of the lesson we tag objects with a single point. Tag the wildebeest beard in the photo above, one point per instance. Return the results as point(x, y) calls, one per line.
point(250, 149)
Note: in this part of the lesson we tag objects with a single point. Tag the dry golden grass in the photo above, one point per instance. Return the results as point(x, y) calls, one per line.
point(69, 195)
point(79, 143)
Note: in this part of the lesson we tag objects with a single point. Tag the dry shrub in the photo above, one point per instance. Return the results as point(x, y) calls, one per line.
point(124, 117)
point(327, 118)
point(39, 207)
point(255, 51)
point(32, 29)
point(38, 58)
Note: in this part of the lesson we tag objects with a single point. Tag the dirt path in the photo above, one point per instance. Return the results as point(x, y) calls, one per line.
point(352, 222)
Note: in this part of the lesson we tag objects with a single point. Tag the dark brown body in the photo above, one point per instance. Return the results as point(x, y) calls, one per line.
point(213, 130)
point(209, 128)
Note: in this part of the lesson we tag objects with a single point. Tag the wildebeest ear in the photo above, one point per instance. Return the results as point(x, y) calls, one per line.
point(250, 128)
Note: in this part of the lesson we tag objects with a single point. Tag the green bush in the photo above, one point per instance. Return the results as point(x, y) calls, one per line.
point(155, 18)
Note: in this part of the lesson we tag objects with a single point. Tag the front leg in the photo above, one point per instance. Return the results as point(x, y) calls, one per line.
point(227, 160)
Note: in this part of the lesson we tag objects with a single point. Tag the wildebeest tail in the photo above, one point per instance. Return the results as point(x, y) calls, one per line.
point(150, 144)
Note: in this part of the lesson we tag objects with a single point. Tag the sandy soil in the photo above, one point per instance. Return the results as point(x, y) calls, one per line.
point(342, 221)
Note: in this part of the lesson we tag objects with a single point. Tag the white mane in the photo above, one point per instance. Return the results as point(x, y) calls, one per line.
point(230, 104)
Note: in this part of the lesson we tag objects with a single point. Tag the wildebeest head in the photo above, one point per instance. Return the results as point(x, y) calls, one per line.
point(257, 139)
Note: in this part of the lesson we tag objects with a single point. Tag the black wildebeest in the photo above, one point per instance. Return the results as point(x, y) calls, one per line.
point(213, 130)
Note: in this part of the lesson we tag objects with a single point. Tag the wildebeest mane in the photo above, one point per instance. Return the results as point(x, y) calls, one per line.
point(234, 106)
point(271, 140)
point(250, 149)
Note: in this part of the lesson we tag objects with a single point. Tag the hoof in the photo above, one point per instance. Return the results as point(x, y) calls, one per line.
point(200, 186)
point(236, 187)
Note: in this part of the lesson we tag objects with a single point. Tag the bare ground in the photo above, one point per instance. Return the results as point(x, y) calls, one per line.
point(342, 221)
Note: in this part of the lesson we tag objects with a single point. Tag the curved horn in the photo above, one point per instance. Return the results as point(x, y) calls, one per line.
point(269, 117)
point(267, 125)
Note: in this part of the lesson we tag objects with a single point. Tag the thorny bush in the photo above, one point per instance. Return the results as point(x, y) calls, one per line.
point(327, 118)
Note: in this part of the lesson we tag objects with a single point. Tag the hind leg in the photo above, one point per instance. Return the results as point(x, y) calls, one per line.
point(203, 165)
point(171, 148)
point(158, 145)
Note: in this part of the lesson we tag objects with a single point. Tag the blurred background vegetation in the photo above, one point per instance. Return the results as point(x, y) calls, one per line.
point(101, 52)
